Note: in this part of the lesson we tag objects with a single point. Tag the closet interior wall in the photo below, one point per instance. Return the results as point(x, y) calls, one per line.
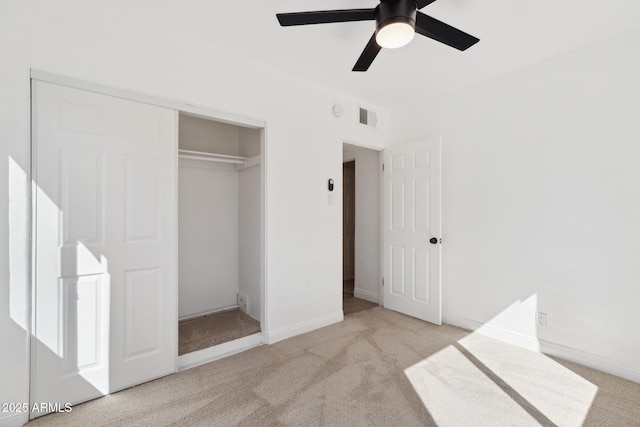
point(219, 218)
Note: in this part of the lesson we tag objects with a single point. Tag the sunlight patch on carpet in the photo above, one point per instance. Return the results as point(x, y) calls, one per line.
point(486, 381)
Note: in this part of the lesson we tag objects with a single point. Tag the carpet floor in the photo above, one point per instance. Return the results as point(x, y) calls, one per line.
point(351, 304)
point(376, 368)
point(207, 331)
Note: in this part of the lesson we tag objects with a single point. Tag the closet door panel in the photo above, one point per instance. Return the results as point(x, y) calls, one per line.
point(70, 340)
point(144, 312)
point(82, 183)
point(105, 242)
point(142, 306)
point(142, 195)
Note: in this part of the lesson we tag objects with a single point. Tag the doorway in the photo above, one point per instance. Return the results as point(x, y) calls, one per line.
point(397, 227)
point(361, 229)
point(219, 183)
point(348, 227)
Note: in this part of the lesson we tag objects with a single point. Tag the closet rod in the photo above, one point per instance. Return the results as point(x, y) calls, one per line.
point(213, 159)
point(207, 154)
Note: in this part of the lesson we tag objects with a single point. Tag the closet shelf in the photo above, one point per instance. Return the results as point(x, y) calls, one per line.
point(211, 157)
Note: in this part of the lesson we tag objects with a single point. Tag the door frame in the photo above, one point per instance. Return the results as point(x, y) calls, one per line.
point(178, 107)
point(380, 151)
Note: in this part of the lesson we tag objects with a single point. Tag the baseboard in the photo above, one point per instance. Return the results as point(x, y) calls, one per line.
point(304, 327)
point(14, 419)
point(207, 313)
point(501, 334)
point(571, 354)
point(206, 355)
point(365, 294)
point(590, 360)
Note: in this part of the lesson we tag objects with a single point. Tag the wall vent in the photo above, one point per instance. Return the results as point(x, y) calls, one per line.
point(368, 117)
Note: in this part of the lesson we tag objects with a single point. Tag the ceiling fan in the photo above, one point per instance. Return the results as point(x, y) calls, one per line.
point(397, 21)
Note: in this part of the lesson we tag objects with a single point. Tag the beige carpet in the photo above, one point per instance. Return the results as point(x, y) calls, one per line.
point(351, 304)
point(207, 331)
point(377, 368)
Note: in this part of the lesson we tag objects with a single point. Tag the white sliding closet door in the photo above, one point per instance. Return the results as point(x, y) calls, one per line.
point(105, 243)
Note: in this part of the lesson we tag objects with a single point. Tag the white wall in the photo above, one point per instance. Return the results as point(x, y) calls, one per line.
point(249, 142)
point(208, 198)
point(198, 134)
point(249, 235)
point(367, 235)
point(541, 202)
point(117, 44)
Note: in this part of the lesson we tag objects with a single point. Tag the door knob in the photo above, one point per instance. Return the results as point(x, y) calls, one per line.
point(433, 240)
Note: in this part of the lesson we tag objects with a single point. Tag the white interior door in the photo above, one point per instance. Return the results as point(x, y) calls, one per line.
point(412, 188)
point(105, 287)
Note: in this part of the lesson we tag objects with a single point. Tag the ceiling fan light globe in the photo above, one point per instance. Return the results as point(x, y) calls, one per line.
point(395, 35)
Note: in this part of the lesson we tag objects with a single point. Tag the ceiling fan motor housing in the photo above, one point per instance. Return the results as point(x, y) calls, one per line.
point(397, 22)
point(392, 11)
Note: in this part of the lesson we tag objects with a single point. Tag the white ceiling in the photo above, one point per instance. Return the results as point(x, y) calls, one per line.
point(513, 34)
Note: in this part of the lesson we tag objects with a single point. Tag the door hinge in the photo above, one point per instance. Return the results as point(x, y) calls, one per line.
point(383, 167)
point(383, 282)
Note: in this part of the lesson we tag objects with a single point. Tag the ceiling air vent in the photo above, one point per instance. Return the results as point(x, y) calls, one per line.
point(368, 117)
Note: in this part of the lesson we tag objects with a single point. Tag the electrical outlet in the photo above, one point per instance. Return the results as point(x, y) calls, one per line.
point(541, 319)
point(243, 304)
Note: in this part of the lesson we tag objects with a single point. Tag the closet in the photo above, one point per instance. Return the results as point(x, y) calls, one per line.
point(218, 233)
point(144, 214)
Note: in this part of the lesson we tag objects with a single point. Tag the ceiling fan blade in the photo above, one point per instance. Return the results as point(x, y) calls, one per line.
point(444, 33)
point(422, 3)
point(368, 55)
point(325, 16)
